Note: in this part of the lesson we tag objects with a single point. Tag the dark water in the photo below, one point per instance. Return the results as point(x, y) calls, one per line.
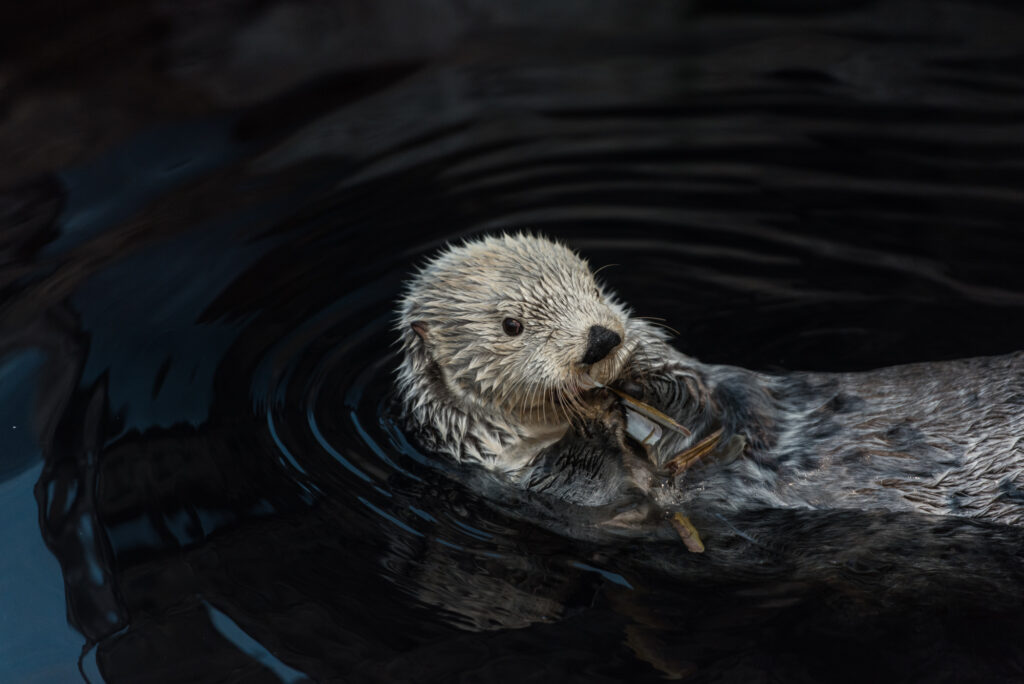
point(207, 210)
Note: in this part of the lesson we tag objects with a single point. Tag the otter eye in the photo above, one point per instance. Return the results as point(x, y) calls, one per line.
point(512, 327)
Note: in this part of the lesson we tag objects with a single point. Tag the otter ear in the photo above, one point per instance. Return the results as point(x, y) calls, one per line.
point(420, 328)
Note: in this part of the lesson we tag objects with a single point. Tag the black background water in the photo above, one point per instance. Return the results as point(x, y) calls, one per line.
point(207, 210)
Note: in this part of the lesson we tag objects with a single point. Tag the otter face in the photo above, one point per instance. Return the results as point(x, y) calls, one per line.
point(513, 323)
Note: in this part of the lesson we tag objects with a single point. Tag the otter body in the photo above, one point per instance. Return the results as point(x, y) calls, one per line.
point(505, 338)
point(937, 438)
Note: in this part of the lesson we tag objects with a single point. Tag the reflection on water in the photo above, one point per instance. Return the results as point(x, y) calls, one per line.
point(206, 213)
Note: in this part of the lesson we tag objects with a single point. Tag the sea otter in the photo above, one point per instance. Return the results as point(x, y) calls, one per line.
point(517, 359)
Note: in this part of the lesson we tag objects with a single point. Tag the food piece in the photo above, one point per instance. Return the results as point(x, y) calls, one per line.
point(684, 459)
point(643, 430)
point(687, 532)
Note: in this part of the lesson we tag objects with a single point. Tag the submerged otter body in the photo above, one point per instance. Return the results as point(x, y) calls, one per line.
point(505, 338)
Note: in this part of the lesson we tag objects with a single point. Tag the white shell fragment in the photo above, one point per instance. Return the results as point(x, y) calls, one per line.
point(641, 428)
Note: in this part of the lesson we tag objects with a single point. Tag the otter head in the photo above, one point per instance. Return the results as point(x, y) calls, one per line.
point(511, 324)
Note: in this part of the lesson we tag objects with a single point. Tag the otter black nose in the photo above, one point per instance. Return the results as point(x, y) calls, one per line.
point(600, 341)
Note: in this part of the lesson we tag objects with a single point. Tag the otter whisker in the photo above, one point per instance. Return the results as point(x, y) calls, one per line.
point(524, 404)
point(545, 401)
point(561, 405)
point(574, 398)
point(525, 378)
point(560, 402)
point(514, 390)
point(557, 398)
point(575, 410)
point(533, 401)
point(660, 323)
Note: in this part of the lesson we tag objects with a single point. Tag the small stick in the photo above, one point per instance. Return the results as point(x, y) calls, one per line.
point(687, 532)
point(684, 459)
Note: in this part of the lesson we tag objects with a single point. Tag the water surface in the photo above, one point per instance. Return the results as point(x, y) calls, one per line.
point(207, 211)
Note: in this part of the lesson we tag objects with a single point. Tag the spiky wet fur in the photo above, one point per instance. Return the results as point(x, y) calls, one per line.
point(938, 438)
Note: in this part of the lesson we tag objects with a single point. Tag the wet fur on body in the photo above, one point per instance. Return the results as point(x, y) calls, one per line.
point(935, 438)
